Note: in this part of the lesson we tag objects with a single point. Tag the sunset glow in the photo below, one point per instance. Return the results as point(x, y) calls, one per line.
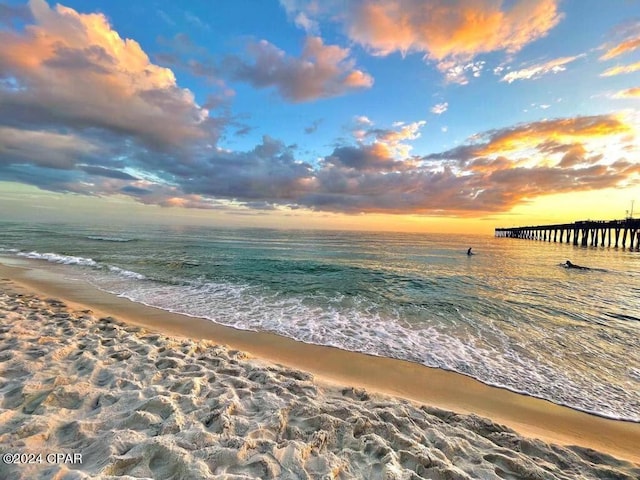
point(402, 115)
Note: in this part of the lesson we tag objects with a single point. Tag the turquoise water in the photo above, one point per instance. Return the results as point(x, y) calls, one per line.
point(509, 316)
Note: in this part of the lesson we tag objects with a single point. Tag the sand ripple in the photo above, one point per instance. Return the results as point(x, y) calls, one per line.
point(137, 404)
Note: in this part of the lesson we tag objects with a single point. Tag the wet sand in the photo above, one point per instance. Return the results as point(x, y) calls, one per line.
point(282, 409)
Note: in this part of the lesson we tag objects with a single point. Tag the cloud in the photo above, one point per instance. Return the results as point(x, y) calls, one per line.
point(577, 155)
point(450, 33)
point(270, 172)
point(378, 149)
point(393, 141)
point(47, 149)
point(536, 71)
point(542, 135)
point(106, 172)
point(440, 108)
point(135, 191)
point(196, 21)
point(321, 71)
point(373, 157)
point(457, 72)
point(627, 39)
point(80, 101)
point(492, 172)
point(450, 29)
point(633, 92)
point(363, 120)
point(624, 47)
point(446, 192)
point(166, 18)
point(302, 15)
point(11, 13)
point(74, 69)
point(313, 127)
point(183, 54)
point(621, 69)
point(52, 179)
point(562, 130)
point(87, 112)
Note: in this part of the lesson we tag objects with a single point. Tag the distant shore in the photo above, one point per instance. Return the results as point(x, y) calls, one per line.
point(325, 379)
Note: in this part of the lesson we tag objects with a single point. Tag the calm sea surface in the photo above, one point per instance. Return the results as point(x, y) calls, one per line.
point(509, 316)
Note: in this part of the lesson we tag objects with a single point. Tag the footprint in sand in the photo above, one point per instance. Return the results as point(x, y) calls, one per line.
point(103, 378)
point(33, 401)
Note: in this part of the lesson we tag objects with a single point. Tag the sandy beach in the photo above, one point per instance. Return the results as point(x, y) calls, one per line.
point(94, 386)
point(303, 239)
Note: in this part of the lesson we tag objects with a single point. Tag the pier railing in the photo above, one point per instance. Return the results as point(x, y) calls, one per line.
point(618, 233)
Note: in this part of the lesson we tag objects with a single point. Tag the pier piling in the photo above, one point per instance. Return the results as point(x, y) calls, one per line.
point(623, 233)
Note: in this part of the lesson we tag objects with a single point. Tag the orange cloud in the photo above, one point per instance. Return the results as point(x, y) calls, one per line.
point(75, 67)
point(461, 28)
point(512, 166)
point(626, 46)
point(185, 201)
point(562, 131)
point(621, 69)
point(448, 30)
point(628, 93)
point(391, 141)
point(394, 140)
point(358, 79)
point(523, 162)
point(488, 165)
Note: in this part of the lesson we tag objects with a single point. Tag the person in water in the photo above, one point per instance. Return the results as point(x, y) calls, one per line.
point(568, 264)
point(469, 252)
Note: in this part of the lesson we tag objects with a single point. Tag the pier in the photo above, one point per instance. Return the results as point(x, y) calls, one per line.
point(604, 233)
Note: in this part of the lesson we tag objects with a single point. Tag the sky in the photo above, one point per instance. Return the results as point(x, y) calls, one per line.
point(406, 115)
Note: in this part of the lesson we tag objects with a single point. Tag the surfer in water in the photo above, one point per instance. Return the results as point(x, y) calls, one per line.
point(469, 252)
point(568, 264)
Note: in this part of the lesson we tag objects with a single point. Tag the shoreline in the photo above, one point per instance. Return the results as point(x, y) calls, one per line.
point(529, 416)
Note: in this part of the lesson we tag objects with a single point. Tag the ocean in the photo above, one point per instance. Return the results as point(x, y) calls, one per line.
point(510, 315)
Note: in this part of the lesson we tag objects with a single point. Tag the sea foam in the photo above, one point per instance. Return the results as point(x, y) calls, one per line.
point(58, 258)
point(81, 261)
